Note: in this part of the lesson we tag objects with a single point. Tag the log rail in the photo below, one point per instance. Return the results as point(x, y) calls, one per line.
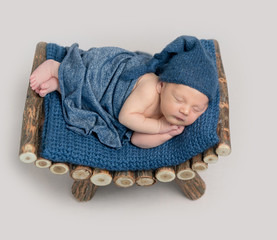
point(87, 179)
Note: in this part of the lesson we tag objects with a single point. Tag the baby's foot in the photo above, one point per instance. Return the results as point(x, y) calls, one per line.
point(37, 90)
point(49, 86)
point(43, 73)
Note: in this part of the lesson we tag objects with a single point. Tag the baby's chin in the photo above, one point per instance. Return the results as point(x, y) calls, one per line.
point(175, 121)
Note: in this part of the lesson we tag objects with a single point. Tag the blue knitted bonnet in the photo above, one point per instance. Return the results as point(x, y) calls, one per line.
point(186, 61)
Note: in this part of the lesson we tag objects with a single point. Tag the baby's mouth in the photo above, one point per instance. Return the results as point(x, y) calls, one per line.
point(180, 119)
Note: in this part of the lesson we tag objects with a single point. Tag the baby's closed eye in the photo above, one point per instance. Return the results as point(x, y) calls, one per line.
point(196, 109)
point(199, 109)
point(178, 99)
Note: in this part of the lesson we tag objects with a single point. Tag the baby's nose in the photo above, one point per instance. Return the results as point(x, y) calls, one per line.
point(185, 110)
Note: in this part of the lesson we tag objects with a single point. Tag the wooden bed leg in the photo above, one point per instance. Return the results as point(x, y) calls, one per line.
point(193, 188)
point(83, 190)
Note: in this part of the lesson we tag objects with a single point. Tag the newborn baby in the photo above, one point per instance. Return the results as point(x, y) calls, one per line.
point(162, 102)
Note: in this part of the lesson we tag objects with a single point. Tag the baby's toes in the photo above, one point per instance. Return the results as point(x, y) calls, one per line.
point(37, 90)
point(43, 92)
point(44, 85)
point(33, 83)
point(32, 78)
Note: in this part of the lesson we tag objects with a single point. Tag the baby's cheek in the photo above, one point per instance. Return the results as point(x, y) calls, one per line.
point(192, 119)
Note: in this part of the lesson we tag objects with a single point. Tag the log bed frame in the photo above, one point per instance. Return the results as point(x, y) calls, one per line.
point(87, 179)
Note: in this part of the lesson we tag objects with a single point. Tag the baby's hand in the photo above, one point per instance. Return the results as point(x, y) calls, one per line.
point(176, 132)
point(165, 126)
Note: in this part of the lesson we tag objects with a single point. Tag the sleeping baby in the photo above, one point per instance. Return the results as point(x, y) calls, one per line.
point(165, 93)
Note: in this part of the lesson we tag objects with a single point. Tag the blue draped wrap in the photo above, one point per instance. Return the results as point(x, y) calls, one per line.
point(93, 91)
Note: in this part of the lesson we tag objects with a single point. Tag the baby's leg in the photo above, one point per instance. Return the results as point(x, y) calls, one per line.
point(47, 70)
point(49, 86)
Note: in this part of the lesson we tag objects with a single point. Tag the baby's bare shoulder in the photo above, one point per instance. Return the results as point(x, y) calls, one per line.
point(143, 95)
point(146, 83)
point(146, 87)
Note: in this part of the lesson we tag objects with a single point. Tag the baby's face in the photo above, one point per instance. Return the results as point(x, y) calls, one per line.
point(180, 104)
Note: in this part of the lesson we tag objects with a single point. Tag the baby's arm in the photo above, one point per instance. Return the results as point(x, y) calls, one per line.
point(132, 112)
point(139, 123)
point(143, 140)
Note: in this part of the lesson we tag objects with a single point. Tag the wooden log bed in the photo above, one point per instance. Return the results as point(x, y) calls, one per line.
point(87, 179)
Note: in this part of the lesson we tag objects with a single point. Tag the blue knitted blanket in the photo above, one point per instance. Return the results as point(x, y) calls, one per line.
point(61, 144)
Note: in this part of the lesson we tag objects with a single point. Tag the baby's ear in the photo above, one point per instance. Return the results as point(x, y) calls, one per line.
point(159, 86)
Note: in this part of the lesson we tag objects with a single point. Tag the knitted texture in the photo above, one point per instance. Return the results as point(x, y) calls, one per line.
point(63, 145)
point(183, 61)
point(56, 52)
point(189, 63)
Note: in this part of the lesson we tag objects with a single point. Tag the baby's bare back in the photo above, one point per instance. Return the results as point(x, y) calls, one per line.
point(143, 102)
point(141, 110)
point(146, 88)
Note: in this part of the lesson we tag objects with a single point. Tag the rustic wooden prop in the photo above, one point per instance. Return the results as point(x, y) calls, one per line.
point(193, 188)
point(32, 115)
point(87, 180)
point(43, 163)
point(197, 163)
point(145, 178)
point(224, 146)
point(83, 190)
point(80, 172)
point(59, 168)
point(210, 156)
point(101, 177)
point(184, 172)
point(165, 174)
point(124, 178)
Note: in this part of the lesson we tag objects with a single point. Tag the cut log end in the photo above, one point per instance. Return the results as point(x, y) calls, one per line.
point(199, 166)
point(165, 176)
point(101, 179)
point(81, 174)
point(223, 149)
point(59, 168)
point(43, 163)
point(143, 181)
point(186, 174)
point(124, 179)
point(124, 182)
point(28, 157)
point(210, 158)
point(145, 178)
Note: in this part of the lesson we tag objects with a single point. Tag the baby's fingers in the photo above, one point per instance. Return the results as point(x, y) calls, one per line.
point(174, 127)
point(177, 131)
point(180, 129)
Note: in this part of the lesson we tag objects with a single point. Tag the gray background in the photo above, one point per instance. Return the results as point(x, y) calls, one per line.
point(240, 200)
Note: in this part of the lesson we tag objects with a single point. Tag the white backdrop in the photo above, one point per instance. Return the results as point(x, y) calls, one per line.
point(240, 199)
